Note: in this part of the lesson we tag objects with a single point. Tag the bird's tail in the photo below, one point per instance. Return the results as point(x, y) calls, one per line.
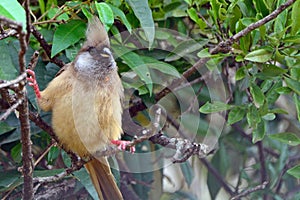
point(103, 179)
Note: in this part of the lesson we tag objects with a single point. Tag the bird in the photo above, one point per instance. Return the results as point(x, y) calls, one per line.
point(85, 99)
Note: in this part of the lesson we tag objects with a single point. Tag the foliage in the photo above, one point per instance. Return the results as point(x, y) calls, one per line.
point(254, 89)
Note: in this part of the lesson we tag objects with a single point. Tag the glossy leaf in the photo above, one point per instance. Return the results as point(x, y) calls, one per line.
point(216, 106)
point(297, 103)
point(105, 14)
point(293, 84)
point(260, 56)
point(120, 14)
point(7, 68)
point(253, 117)
point(294, 171)
point(259, 132)
point(236, 114)
point(257, 95)
point(272, 71)
point(295, 18)
point(136, 63)
point(13, 10)
point(67, 35)
point(143, 13)
point(286, 137)
point(85, 180)
point(185, 48)
point(161, 66)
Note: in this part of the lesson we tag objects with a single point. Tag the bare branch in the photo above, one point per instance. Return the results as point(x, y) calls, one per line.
point(33, 60)
point(218, 176)
point(46, 47)
point(10, 110)
point(250, 190)
point(14, 83)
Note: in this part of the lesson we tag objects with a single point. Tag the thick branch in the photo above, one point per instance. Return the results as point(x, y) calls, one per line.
point(46, 47)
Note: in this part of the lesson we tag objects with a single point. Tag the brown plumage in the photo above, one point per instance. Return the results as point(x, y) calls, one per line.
point(85, 100)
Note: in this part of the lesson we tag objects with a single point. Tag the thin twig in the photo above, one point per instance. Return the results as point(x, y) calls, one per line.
point(52, 144)
point(15, 82)
point(33, 60)
point(218, 176)
point(59, 176)
point(250, 190)
point(10, 110)
point(46, 47)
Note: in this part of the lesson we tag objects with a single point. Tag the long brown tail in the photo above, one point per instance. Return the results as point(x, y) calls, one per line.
point(103, 179)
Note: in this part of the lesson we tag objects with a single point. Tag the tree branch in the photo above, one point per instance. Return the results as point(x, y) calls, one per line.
point(249, 191)
point(46, 47)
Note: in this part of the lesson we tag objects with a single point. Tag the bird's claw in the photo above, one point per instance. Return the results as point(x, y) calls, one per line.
point(122, 145)
point(33, 83)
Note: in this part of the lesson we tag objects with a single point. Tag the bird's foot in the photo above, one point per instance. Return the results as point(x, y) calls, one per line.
point(33, 83)
point(123, 145)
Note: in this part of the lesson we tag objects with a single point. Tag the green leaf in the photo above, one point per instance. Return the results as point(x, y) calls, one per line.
point(294, 171)
point(194, 16)
point(293, 84)
point(53, 154)
point(4, 128)
point(143, 13)
point(297, 103)
point(280, 20)
point(67, 35)
point(136, 63)
point(269, 116)
point(236, 114)
point(216, 106)
point(272, 95)
point(259, 133)
point(7, 68)
point(53, 11)
point(120, 14)
point(283, 90)
point(204, 53)
point(187, 171)
point(85, 180)
point(272, 71)
point(13, 10)
point(16, 153)
point(185, 48)
point(287, 138)
point(87, 14)
point(295, 18)
point(253, 117)
point(240, 73)
point(260, 56)
point(261, 7)
point(106, 14)
point(295, 73)
point(258, 95)
point(161, 66)
point(221, 162)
